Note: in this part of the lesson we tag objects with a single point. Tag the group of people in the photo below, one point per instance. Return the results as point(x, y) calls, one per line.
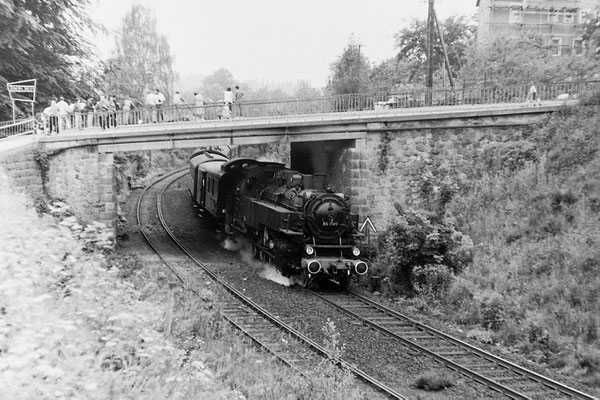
point(108, 112)
point(103, 112)
point(231, 99)
point(232, 104)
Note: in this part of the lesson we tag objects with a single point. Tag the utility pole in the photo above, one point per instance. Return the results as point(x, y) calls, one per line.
point(430, 23)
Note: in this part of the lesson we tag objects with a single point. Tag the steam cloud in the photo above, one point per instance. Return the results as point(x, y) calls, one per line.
point(264, 270)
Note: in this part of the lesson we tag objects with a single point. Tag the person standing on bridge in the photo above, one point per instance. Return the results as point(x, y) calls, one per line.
point(159, 101)
point(238, 96)
point(127, 107)
point(532, 96)
point(151, 107)
point(199, 104)
point(178, 102)
point(52, 114)
point(63, 114)
point(228, 100)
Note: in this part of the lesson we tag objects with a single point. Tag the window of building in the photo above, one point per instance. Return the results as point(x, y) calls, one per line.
point(569, 18)
point(578, 46)
point(584, 16)
point(555, 46)
point(515, 16)
point(554, 16)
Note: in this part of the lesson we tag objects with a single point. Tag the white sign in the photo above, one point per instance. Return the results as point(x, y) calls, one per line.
point(20, 88)
point(368, 223)
point(27, 87)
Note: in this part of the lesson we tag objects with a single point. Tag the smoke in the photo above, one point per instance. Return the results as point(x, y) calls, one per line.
point(264, 270)
point(271, 273)
point(234, 245)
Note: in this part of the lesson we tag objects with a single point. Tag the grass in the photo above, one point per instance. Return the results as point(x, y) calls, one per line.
point(81, 324)
point(532, 211)
point(535, 279)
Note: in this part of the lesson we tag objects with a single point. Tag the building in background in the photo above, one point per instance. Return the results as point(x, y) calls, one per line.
point(557, 21)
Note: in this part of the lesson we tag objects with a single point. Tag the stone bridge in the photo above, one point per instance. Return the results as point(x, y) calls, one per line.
point(378, 157)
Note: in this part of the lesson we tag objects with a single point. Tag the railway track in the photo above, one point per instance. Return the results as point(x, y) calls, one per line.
point(264, 328)
point(498, 374)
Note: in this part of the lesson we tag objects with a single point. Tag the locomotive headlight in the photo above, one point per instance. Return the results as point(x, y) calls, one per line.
point(309, 250)
point(355, 251)
point(271, 244)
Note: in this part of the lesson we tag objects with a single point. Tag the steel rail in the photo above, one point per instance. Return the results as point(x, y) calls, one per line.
point(509, 366)
point(489, 356)
point(248, 302)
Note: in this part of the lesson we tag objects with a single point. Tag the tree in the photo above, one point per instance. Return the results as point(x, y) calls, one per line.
point(390, 76)
point(591, 36)
point(215, 84)
point(44, 40)
point(350, 72)
point(143, 59)
point(519, 58)
point(304, 90)
point(411, 42)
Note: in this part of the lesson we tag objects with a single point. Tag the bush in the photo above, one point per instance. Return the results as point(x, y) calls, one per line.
point(422, 239)
point(432, 280)
point(434, 382)
point(492, 309)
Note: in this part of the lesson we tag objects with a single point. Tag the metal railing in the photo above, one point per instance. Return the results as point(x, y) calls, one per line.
point(490, 94)
point(20, 127)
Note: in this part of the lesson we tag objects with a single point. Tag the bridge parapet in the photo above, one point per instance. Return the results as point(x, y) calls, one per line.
point(347, 103)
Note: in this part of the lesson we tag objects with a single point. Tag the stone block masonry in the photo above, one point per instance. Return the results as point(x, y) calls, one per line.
point(85, 180)
point(390, 167)
point(22, 170)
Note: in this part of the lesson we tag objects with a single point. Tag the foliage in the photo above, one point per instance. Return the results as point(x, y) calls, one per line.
point(216, 83)
point(516, 58)
point(333, 341)
point(432, 281)
point(143, 61)
point(422, 248)
point(411, 42)
point(434, 382)
point(45, 40)
point(591, 36)
point(391, 76)
point(534, 282)
point(350, 72)
point(304, 90)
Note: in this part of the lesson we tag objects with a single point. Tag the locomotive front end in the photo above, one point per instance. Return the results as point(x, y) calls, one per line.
point(331, 251)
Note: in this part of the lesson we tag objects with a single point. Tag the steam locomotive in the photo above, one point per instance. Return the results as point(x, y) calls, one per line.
point(293, 221)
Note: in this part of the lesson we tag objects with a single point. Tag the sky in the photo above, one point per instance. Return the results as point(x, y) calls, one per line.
point(275, 40)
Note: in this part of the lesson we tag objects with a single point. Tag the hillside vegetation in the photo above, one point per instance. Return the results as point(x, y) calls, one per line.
point(530, 279)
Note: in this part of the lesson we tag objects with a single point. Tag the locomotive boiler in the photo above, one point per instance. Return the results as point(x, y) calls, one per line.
point(293, 221)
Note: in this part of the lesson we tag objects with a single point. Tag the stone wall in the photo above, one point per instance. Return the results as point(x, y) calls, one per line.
point(390, 167)
point(22, 170)
point(85, 180)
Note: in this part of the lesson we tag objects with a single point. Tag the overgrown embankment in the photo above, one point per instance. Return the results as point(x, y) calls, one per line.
point(532, 210)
